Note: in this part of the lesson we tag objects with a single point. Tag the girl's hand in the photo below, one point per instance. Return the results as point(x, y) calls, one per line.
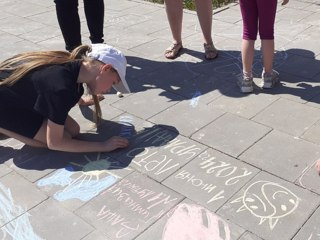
point(87, 100)
point(284, 2)
point(115, 143)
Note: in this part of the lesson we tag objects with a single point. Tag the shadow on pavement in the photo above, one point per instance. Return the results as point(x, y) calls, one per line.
point(26, 157)
point(190, 76)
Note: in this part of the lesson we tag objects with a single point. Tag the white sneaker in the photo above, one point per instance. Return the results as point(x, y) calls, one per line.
point(269, 80)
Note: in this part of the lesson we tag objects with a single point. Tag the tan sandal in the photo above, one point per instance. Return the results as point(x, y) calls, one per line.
point(173, 51)
point(210, 52)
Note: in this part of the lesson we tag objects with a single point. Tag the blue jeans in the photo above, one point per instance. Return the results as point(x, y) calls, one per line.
point(69, 21)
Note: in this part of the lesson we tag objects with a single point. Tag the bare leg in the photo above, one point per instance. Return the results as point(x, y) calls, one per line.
point(267, 47)
point(318, 166)
point(247, 54)
point(28, 141)
point(71, 127)
point(174, 9)
point(204, 12)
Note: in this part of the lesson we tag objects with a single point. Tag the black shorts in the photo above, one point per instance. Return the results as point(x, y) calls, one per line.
point(25, 122)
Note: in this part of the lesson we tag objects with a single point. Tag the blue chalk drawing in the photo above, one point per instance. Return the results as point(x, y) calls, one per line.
point(60, 178)
point(20, 228)
point(83, 185)
point(85, 190)
point(127, 129)
point(195, 99)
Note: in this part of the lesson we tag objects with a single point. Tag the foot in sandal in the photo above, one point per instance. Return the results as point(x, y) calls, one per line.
point(173, 51)
point(210, 52)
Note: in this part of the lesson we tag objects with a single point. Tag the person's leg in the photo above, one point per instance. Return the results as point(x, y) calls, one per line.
point(71, 127)
point(267, 14)
point(247, 55)
point(267, 48)
point(174, 10)
point(94, 11)
point(69, 22)
point(250, 28)
point(28, 141)
point(204, 12)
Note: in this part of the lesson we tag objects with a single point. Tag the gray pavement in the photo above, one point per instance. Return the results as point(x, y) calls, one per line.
point(204, 161)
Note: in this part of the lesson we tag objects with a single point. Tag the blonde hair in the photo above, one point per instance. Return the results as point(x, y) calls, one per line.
point(23, 63)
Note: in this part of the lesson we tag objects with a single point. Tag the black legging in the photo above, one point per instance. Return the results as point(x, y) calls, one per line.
point(69, 21)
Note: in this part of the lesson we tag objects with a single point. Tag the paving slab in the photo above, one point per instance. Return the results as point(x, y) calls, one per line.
point(129, 207)
point(156, 99)
point(295, 89)
point(194, 221)
point(4, 170)
point(188, 116)
point(246, 106)
point(249, 236)
point(81, 181)
point(313, 133)
point(269, 206)
point(235, 139)
point(161, 161)
point(278, 152)
point(203, 160)
point(17, 196)
point(310, 69)
point(63, 224)
point(211, 178)
point(311, 229)
point(292, 118)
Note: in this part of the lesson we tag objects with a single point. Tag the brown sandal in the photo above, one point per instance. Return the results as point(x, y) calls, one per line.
point(173, 51)
point(210, 52)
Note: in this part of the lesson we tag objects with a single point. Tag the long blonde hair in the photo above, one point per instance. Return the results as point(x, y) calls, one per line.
point(23, 63)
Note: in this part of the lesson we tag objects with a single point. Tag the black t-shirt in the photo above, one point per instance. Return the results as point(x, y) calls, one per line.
point(50, 91)
point(57, 91)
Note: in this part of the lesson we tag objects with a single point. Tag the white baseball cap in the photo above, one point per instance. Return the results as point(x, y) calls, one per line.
point(110, 55)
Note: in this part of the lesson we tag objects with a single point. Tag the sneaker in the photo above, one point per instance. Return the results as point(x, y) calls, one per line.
point(245, 84)
point(269, 80)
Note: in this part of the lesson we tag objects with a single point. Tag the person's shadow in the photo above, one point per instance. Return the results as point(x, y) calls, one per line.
point(190, 76)
point(30, 158)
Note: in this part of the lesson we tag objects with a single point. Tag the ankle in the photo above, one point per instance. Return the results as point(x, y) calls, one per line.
point(247, 74)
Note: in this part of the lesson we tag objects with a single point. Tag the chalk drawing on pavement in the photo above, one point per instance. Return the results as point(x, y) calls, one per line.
point(268, 201)
point(17, 227)
point(195, 222)
point(85, 184)
point(304, 172)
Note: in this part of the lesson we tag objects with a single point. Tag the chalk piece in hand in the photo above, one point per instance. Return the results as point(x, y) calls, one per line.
point(119, 94)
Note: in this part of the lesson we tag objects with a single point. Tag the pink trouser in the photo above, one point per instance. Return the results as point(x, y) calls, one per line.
point(258, 14)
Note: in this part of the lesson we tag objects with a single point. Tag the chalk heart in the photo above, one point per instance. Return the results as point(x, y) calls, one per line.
point(195, 222)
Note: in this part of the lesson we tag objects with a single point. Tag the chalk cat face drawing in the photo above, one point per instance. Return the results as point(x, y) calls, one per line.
point(268, 201)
